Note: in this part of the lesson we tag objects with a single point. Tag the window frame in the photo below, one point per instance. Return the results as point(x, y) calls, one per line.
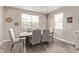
point(60, 20)
point(31, 21)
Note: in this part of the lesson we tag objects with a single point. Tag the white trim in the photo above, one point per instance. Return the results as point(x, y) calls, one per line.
point(64, 40)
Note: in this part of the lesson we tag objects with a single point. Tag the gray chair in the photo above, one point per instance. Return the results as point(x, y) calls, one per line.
point(36, 37)
point(45, 35)
point(15, 40)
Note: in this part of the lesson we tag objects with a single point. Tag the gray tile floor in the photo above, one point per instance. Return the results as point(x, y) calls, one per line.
point(53, 47)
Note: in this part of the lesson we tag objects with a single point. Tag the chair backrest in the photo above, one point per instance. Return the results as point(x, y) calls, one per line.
point(45, 35)
point(12, 36)
point(36, 36)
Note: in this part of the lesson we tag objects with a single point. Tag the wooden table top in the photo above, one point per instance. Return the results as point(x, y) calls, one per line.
point(24, 34)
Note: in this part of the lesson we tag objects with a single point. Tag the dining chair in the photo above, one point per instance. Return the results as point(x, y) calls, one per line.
point(15, 40)
point(36, 37)
point(51, 35)
point(45, 36)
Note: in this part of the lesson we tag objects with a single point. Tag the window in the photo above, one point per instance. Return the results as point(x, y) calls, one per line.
point(29, 21)
point(59, 21)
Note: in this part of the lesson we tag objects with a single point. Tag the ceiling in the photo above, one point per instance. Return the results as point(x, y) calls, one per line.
point(41, 9)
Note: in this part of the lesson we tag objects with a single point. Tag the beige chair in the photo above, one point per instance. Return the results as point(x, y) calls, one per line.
point(15, 40)
point(36, 37)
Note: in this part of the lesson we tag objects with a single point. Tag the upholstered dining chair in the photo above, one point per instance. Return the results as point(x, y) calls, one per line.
point(36, 37)
point(45, 36)
point(15, 40)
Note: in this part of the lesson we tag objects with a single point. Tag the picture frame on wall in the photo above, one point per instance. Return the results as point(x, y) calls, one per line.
point(69, 19)
point(8, 19)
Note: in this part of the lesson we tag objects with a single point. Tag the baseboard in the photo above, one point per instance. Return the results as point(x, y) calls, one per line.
point(64, 40)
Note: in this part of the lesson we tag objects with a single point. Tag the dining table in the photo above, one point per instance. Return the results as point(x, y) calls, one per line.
point(27, 36)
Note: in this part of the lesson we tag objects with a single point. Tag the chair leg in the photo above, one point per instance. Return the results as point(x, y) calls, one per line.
point(23, 45)
point(30, 47)
point(12, 47)
point(41, 44)
point(52, 39)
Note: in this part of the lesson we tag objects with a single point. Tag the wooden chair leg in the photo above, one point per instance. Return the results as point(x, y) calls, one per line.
point(12, 47)
point(23, 45)
point(42, 44)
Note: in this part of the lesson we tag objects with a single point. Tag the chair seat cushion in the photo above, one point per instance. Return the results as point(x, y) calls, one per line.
point(17, 40)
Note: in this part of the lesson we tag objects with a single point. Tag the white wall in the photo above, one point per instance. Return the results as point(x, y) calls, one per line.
point(1, 23)
point(16, 16)
point(68, 29)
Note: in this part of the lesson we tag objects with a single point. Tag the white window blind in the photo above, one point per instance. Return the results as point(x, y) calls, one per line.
point(29, 21)
point(59, 21)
